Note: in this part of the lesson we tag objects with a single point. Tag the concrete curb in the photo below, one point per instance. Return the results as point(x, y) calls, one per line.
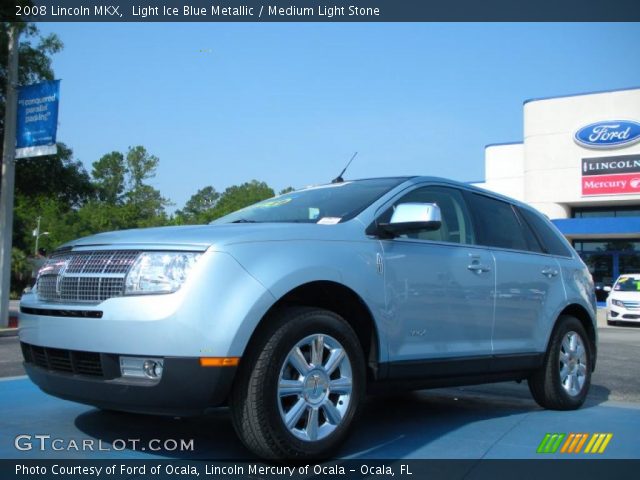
point(8, 332)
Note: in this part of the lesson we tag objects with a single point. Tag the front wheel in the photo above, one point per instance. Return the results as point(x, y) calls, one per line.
point(563, 381)
point(299, 390)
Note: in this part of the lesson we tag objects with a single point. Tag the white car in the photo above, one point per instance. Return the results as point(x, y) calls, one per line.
point(623, 303)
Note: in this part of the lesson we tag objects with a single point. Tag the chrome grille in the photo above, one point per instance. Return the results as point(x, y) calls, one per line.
point(85, 277)
point(631, 305)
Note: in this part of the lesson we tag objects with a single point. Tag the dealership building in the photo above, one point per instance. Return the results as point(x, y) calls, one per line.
point(579, 164)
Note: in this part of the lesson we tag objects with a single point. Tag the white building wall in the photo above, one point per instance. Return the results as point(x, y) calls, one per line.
point(504, 170)
point(545, 170)
point(553, 160)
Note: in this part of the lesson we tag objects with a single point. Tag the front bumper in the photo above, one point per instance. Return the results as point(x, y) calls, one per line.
point(185, 387)
point(621, 314)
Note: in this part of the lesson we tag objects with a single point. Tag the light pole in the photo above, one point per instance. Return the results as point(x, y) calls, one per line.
point(37, 234)
point(8, 173)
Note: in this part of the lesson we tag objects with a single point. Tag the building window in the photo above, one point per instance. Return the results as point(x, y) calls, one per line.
point(607, 259)
point(590, 212)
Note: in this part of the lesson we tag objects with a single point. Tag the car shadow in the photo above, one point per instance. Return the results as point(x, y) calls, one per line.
point(401, 425)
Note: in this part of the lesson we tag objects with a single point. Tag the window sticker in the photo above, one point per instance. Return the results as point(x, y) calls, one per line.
point(313, 213)
point(275, 203)
point(329, 220)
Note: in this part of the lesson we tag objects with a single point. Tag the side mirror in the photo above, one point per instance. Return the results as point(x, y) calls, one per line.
point(411, 217)
point(607, 288)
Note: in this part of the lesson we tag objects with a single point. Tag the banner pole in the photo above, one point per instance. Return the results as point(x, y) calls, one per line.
point(8, 174)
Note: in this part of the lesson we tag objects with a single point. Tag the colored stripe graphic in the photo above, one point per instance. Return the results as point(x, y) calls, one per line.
point(574, 443)
point(597, 443)
point(551, 442)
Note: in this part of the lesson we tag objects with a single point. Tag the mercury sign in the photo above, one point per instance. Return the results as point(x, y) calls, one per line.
point(608, 134)
point(37, 120)
point(611, 175)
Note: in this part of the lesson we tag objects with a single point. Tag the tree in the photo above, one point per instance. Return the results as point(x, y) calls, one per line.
point(286, 190)
point(58, 176)
point(196, 207)
point(109, 177)
point(237, 197)
point(124, 199)
point(141, 166)
point(145, 205)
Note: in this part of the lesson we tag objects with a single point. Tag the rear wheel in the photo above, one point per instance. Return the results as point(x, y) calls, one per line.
point(299, 390)
point(563, 381)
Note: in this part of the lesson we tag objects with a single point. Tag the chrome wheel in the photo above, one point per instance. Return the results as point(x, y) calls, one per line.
point(314, 387)
point(572, 363)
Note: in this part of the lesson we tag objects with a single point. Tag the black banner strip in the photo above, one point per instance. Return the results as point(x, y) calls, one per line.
point(320, 11)
point(610, 165)
point(583, 469)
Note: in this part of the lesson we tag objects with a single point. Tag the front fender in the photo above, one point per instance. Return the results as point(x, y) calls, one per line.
point(282, 266)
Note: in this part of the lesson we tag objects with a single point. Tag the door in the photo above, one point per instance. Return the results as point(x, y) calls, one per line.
point(528, 292)
point(528, 281)
point(438, 286)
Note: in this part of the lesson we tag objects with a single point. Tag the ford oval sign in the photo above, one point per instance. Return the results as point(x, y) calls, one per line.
point(609, 134)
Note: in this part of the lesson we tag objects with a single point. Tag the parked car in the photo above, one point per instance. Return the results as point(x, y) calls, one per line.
point(291, 309)
point(623, 303)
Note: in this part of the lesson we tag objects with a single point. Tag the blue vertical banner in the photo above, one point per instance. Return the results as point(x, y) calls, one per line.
point(37, 120)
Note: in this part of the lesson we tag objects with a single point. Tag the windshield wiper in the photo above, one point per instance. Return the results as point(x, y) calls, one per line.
point(243, 220)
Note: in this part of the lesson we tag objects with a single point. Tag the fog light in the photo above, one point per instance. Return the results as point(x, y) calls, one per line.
point(137, 367)
point(614, 314)
point(152, 369)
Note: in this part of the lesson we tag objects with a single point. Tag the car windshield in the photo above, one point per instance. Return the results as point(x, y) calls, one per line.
point(627, 284)
point(325, 204)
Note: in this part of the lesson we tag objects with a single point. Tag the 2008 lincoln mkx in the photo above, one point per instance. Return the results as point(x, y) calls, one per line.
point(289, 310)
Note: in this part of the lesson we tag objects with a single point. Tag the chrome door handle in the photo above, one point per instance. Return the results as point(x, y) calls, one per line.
point(478, 268)
point(550, 272)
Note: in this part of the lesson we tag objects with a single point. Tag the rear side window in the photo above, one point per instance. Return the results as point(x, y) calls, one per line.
point(552, 242)
point(497, 225)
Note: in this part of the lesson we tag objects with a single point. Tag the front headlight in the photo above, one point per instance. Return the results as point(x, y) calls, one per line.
point(617, 303)
point(159, 272)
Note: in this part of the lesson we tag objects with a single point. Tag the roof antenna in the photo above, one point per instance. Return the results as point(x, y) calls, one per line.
point(339, 178)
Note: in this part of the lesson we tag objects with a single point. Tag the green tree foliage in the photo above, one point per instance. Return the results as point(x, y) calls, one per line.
point(109, 177)
point(141, 166)
point(207, 204)
point(196, 207)
point(20, 267)
point(237, 197)
point(124, 200)
point(58, 176)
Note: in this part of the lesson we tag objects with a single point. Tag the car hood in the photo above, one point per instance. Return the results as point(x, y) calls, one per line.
point(625, 295)
point(201, 237)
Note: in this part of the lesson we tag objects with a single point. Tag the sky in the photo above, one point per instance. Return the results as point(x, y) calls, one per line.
point(289, 104)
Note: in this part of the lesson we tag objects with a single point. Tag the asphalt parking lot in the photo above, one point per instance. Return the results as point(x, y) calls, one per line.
point(475, 422)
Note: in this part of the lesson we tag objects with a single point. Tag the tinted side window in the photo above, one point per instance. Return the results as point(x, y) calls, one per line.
point(552, 243)
point(497, 224)
point(456, 225)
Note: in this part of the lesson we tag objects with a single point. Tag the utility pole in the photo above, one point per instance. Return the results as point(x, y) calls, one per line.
point(8, 174)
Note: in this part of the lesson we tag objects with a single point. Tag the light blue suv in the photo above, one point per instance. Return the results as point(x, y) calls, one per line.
point(288, 311)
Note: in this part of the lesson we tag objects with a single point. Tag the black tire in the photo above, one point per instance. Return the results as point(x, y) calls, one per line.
point(546, 385)
point(255, 402)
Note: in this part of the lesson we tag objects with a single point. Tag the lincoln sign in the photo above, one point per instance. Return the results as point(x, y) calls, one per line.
point(611, 175)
